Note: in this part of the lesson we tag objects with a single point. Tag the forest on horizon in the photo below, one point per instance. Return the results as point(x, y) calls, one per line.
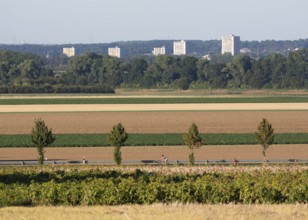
point(93, 73)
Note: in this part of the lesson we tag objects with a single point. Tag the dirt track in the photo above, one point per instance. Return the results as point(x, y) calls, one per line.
point(156, 122)
point(174, 153)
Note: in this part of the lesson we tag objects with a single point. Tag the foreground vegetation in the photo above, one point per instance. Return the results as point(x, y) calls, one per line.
point(35, 186)
point(92, 140)
point(159, 211)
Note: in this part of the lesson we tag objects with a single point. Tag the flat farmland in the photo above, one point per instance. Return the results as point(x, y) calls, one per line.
point(29, 108)
point(156, 121)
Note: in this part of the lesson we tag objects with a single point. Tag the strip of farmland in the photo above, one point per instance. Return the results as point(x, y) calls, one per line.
point(156, 122)
point(73, 100)
point(243, 152)
point(154, 107)
point(92, 140)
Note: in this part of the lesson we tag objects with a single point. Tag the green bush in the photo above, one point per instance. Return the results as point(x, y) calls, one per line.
point(95, 187)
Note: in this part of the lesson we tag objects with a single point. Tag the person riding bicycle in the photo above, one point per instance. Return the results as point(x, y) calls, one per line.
point(164, 160)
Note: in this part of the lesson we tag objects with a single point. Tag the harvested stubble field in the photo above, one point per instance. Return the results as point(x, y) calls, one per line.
point(159, 211)
point(152, 107)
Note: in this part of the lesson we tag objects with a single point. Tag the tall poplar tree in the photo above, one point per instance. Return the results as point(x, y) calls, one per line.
point(193, 140)
point(265, 135)
point(117, 138)
point(41, 136)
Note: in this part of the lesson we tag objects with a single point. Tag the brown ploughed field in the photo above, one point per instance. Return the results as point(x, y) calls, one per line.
point(156, 122)
point(240, 152)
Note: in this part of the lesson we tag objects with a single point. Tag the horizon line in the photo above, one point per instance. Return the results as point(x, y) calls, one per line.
point(124, 41)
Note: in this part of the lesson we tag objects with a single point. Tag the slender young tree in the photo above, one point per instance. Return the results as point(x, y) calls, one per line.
point(265, 135)
point(41, 136)
point(193, 140)
point(117, 138)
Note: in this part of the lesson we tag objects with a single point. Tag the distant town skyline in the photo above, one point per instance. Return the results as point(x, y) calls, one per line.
point(102, 21)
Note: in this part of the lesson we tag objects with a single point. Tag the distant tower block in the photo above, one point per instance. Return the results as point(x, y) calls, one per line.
point(69, 51)
point(159, 51)
point(231, 44)
point(114, 52)
point(179, 47)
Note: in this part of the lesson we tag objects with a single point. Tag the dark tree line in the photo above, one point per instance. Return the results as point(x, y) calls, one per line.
point(25, 73)
point(272, 71)
point(28, 73)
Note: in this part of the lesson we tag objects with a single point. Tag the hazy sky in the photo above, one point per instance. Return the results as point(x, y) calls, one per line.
point(102, 21)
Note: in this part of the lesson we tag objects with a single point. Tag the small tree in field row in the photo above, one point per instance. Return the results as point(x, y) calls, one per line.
point(193, 140)
point(117, 138)
point(265, 135)
point(41, 136)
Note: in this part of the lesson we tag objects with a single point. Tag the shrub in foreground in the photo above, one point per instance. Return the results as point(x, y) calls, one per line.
point(95, 187)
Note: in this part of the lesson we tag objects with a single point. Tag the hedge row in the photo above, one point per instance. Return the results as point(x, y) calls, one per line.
point(22, 89)
point(114, 188)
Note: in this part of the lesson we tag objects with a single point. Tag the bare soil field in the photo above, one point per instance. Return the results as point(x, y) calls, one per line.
point(156, 122)
point(242, 152)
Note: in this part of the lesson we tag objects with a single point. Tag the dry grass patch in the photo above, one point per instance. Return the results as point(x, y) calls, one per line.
point(158, 211)
point(163, 170)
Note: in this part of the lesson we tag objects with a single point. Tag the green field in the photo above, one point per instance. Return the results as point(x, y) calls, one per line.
point(87, 140)
point(153, 100)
